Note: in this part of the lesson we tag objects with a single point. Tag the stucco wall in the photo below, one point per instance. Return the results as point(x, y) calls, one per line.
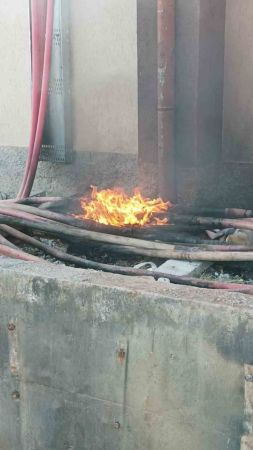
point(15, 74)
point(104, 68)
point(103, 73)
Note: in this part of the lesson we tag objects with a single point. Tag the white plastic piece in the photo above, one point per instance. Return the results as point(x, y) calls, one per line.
point(146, 265)
point(175, 267)
point(183, 268)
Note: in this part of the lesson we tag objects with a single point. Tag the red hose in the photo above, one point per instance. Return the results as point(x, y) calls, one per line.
point(21, 214)
point(18, 254)
point(39, 90)
point(38, 29)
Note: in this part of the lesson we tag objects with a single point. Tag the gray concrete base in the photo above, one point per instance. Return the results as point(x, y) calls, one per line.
point(101, 169)
point(93, 361)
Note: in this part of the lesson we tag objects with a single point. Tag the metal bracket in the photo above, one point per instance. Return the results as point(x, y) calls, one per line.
point(13, 347)
point(56, 146)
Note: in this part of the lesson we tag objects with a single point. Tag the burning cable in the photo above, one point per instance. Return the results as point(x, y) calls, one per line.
point(115, 207)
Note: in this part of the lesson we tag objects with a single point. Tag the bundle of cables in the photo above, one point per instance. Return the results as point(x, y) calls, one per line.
point(42, 14)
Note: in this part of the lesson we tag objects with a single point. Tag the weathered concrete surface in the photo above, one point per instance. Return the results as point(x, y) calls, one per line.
point(101, 169)
point(106, 362)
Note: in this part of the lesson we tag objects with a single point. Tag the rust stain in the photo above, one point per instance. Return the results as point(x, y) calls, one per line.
point(13, 348)
point(121, 355)
point(11, 326)
point(15, 395)
point(116, 425)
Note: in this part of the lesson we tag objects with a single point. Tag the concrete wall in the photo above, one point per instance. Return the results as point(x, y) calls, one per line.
point(103, 75)
point(101, 362)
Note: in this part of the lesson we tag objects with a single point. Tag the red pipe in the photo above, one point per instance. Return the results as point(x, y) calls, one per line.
point(39, 107)
point(18, 254)
point(37, 32)
point(43, 100)
point(22, 215)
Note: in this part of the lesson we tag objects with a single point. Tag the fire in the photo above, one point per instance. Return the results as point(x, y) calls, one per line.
point(115, 207)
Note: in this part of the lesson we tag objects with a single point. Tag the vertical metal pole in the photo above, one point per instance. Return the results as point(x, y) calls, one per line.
point(57, 145)
point(166, 97)
point(147, 95)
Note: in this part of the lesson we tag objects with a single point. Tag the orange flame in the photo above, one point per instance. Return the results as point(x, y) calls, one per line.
point(115, 207)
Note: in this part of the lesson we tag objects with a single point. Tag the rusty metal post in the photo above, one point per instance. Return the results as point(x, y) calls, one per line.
point(147, 96)
point(166, 97)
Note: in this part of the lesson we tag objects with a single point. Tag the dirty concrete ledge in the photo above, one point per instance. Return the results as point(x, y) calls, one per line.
point(103, 362)
point(136, 284)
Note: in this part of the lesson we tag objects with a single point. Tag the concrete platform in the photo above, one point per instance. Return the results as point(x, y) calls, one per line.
point(103, 362)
